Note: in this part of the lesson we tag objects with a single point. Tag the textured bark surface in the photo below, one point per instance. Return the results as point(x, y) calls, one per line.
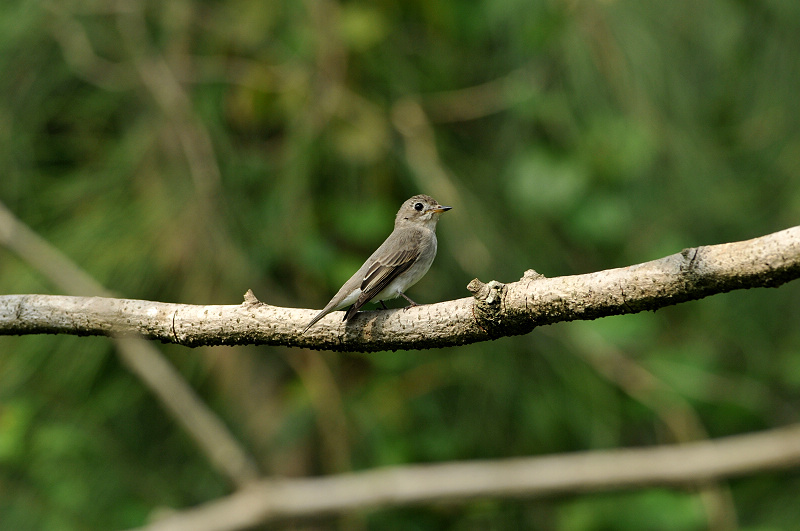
point(495, 310)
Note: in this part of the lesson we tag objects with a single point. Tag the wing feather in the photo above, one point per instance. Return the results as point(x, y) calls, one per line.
point(380, 274)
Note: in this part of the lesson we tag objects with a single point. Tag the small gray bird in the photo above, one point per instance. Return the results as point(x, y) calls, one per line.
point(399, 263)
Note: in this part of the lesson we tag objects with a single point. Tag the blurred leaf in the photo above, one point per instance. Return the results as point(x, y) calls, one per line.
point(15, 421)
point(605, 219)
point(540, 183)
point(362, 26)
point(662, 510)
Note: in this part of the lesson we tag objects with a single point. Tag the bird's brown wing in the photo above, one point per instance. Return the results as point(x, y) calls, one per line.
point(381, 274)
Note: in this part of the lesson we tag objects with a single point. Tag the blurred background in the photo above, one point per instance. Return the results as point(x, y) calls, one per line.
point(186, 151)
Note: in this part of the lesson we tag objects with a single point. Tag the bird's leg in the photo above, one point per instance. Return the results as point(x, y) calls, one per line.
point(384, 305)
point(409, 300)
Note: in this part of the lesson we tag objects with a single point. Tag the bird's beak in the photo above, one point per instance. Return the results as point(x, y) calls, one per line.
point(439, 209)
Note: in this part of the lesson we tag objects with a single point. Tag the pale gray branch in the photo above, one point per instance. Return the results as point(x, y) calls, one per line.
point(495, 310)
point(676, 465)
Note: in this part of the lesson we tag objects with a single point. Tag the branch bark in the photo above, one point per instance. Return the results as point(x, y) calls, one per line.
point(676, 465)
point(495, 310)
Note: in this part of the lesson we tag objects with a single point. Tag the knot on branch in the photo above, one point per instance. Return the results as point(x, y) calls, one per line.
point(490, 293)
point(251, 300)
point(250, 297)
point(531, 274)
point(488, 307)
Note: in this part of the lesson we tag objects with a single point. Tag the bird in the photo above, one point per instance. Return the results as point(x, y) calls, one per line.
point(399, 263)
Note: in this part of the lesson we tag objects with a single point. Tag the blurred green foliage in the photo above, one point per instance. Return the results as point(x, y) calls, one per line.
point(188, 150)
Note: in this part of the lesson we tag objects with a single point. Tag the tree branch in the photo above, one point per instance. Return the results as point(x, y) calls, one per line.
point(674, 465)
point(496, 309)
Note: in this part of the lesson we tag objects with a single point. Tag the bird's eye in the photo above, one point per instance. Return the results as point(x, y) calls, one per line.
point(418, 207)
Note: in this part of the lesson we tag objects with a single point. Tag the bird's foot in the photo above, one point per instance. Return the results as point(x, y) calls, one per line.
point(409, 300)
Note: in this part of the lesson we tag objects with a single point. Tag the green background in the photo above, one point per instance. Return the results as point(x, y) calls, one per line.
point(186, 151)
